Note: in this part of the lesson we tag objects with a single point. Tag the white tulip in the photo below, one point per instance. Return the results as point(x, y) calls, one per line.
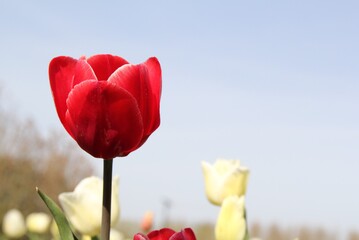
point(83, 206)
point(224, 178)
point(231, 224)
point(13, 225)
point(38, 222)
point(116, 235)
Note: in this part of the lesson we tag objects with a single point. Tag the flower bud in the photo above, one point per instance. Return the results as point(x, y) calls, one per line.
point(38, 222)
point(13, 225)
point(147, 221)
point(231, 223)
point(224, 178)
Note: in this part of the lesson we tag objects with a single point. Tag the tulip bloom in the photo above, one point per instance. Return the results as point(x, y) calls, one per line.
point(231, 223)
point(110, 107)
point(38, 222)
point(224, 178)
point(167, 234)
point(13, 225)
point(114, 235)
point(83, 206)
point(147, 221)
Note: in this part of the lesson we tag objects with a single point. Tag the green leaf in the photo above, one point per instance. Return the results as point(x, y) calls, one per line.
point(246, 236)
point(95, 238)
point(60, 219)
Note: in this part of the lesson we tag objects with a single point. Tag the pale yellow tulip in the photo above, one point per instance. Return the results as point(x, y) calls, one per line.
point(224, 178)
point(83, 206)
point(13, 225)
point(38, 222)
point(231, 224)
point(116, 235)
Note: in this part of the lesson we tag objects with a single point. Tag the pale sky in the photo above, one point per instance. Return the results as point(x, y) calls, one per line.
point(274, 84)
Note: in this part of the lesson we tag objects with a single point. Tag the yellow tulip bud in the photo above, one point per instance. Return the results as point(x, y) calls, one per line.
point(231, 224)
point(224, 178)
point(38, 222)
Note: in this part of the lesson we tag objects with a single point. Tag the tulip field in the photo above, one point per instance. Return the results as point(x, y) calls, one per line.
point(31, 219)
point(179, 120)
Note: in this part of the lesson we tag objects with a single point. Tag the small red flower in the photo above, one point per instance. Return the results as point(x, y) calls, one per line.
point(167, 234)
point(110, 107)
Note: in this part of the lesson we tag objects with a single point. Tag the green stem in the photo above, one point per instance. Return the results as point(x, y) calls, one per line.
point(106, 199)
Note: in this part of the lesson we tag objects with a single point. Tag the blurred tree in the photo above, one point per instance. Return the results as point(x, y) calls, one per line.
point(353, 236)
point(275, 233)
point(255, 230)
point(204, 231)
point(29, 159)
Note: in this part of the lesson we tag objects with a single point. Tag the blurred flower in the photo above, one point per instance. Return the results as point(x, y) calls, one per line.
point(147, 221)
point(231, 223)
point(116, 235)
point(38, 222)
point(83, 206)
point(110, 107)
point(167, 234)
point(55, 231)
point(224, 178)
point(13, 225)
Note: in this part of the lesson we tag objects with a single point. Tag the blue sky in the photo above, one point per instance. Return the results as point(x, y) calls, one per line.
point(274, 84)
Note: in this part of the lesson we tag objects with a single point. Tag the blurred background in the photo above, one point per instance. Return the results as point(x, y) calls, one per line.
point(274, 84)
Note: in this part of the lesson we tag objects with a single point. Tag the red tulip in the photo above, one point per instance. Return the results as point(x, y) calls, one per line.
point(110, 107)
point(167, 234)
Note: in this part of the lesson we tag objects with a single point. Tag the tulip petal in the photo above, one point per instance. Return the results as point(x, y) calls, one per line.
point(213, 184)
point(144, 83)
point(162, 234)
point(105, 64)
point(140, 236)
point(83, 72)
point(61, 72)
point(155, 76)
point(64, 74)
point(184, 234)
point(104, 119)
point(76, 208)
point(155, 79)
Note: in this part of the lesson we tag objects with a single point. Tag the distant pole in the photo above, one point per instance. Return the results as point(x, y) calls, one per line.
point(166, 207)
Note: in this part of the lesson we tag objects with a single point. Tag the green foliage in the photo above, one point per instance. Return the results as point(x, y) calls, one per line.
point(60, 219)
point(246, 236)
